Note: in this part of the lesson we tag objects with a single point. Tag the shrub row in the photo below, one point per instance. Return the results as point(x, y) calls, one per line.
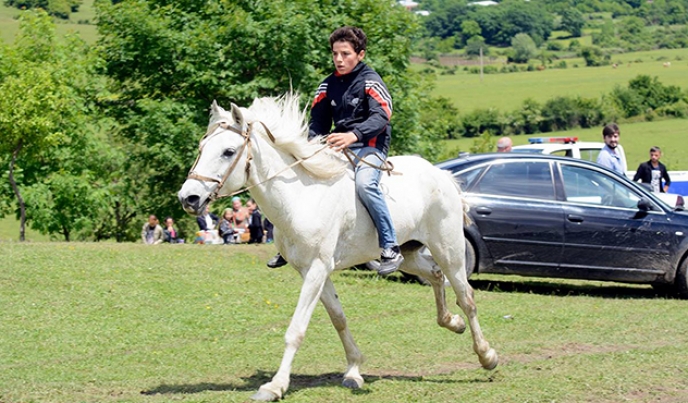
point(644, 97)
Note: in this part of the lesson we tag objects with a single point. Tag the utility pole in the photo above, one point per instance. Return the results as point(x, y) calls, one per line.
point(481, 64)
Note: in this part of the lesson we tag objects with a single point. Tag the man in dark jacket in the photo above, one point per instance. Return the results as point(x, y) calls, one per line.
point(353, 108)
point(653, 172)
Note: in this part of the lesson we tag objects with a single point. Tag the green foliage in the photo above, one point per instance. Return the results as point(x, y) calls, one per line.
point(485, 143)
point(46, 114)
point(645, 93)
point(572, 20)
point(594, 56)
point(497, 24)
point(442, 118)
point(474, 46)
point(524, 48)
point(481, 120)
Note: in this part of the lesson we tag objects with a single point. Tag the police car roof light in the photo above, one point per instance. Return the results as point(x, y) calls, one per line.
point(563, 140)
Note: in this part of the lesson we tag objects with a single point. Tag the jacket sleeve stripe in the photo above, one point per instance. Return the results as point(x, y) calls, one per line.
point(380, 94)
point(320, 94)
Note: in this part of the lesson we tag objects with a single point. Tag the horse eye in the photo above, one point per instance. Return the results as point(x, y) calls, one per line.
point(228, 153)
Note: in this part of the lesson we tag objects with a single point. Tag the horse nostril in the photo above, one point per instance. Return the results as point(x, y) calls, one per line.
point(193, 200)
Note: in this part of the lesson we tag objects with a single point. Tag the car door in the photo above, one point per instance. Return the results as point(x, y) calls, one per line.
point(513, 204)
point(606, 236)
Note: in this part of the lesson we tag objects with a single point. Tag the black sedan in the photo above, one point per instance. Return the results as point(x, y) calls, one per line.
point(549, 216)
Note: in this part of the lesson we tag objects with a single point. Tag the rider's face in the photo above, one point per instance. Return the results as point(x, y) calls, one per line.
point(345, 57)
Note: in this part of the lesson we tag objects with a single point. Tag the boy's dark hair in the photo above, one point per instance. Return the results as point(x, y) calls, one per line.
point(354, 35)
point(610, 130)
point(655, 149)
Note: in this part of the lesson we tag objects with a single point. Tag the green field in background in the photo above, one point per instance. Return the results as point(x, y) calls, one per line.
point(506, 92)
point(9, 25)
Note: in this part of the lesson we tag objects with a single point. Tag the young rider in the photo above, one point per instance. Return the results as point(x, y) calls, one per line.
point(355, 100)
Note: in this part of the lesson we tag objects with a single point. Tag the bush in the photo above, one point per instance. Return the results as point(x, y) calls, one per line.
point(555, 46)
point(481, 120)
point(594, 56)
point(524, 48)
point(628, 101)
point(678, 109)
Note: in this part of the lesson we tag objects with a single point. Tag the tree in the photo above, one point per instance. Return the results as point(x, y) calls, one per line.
point(469, 29)
point(476, 45)
point(43, 108)
point(524, 48)
point(572, 21)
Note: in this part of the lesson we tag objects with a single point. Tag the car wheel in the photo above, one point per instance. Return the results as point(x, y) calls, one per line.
point(681, 281)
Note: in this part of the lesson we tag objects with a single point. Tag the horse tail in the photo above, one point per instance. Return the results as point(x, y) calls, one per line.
point(464, 202)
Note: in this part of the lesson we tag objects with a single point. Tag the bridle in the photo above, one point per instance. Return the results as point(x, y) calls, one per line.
point(246, 134)
point(385, 166)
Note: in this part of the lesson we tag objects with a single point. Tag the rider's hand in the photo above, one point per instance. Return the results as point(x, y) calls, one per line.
point(340, 140)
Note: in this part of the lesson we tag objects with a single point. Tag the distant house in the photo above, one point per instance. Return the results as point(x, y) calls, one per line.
point(483, 3)
point(408, 4)
point(424, 13)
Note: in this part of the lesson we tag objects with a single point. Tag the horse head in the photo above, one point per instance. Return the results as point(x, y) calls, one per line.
point(223, 160)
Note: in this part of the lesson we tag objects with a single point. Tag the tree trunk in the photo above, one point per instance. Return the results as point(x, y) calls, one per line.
point(20, 200)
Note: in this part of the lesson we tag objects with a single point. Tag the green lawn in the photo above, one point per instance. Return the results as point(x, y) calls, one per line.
point(506, 92)
point(9, 231)
point(636, 138)
point(198, 323)
point(9, 25)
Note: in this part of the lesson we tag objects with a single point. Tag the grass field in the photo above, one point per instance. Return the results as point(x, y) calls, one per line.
point(636, 138)
point(9, 25)
point(506, 92)
point(9, 231)
point(191, 323)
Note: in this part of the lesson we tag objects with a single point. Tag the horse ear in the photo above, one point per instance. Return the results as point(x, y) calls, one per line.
point(237, 115)
point(215, 109)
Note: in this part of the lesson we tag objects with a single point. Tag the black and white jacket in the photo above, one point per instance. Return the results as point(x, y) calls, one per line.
point(357, 102)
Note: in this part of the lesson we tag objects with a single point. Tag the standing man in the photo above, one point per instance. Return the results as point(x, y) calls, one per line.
point(608, 156)
point(504, 145)
point(353, 108)
point(653, 172)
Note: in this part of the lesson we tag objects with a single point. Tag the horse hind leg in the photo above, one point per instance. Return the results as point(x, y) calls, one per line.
point(354, 358)
point(453, 264)
point(419, 261)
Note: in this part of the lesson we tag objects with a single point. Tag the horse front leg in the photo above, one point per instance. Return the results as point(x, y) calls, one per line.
point(354, 358)
point(313, 282)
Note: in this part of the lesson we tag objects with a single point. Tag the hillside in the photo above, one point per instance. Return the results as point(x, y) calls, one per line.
point(82, 22)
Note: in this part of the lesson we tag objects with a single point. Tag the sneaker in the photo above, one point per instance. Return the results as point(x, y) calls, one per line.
point(390, 260)
point(276, 261)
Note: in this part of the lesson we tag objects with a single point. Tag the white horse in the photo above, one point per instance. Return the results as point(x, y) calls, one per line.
point(307, 191)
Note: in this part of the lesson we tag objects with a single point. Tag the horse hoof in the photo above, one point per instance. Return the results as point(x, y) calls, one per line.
point(490, 361)
point(265, 396)
point(352, 383)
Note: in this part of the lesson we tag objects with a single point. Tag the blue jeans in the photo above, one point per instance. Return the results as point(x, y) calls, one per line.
point(368, 190)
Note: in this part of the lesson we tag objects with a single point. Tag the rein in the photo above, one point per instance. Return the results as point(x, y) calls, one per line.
point(385, 165)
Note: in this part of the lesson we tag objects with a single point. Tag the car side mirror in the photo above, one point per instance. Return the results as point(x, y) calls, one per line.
point(644, 204)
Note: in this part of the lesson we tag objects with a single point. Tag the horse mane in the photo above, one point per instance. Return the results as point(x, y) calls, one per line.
point(287, 122)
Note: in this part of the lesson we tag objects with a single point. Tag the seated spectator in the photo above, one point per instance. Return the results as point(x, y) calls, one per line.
point(169, 233)
point(227, 226)
point(240, 220)
point(255, 222)
point(152, 234)
point(207, 221)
